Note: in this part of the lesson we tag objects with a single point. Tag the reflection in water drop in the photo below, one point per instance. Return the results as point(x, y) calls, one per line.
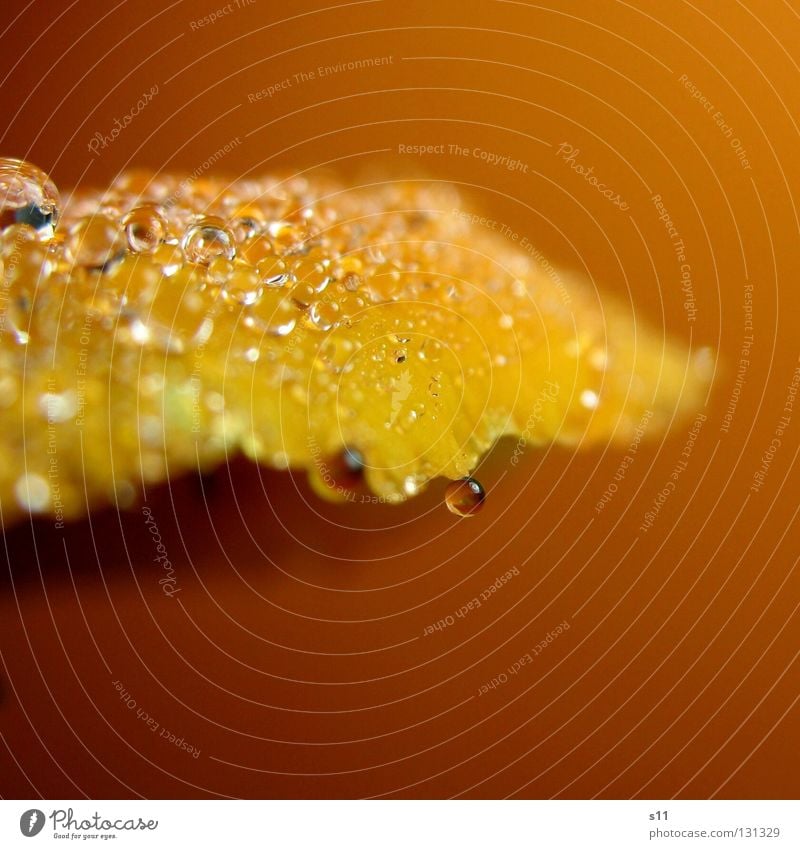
point(95, 242)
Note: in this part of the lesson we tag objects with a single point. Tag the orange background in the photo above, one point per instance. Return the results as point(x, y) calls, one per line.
point(295, 656)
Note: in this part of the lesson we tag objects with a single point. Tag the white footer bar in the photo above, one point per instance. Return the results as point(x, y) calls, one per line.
point(402, 824)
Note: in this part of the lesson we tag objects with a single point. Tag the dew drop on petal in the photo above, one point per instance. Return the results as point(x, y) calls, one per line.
point(323, 315)
point(95, 242)
point(245, 228)
point(432, 350)
point(207, 239)
point(286, 237)
point(243, 287)
point(589, 399)
point(352, 282)
point(347, 470)
point(145, 228)
point(220, 271)
point(704, 363)
point(272, 272)
point(27, 196)
point(169, 259)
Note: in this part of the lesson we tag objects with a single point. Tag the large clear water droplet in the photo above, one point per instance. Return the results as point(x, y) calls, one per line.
point(27, 196)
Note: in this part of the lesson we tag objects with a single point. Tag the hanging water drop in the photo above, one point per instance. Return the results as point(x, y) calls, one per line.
point(347, 470)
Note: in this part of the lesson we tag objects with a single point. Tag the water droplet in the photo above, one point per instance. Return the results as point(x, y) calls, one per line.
point(26, 262)
point(145, 228)
point(14, 238)
point(243, 288)
point(220, 271)
point(207, 239)
point(352, 282)
point(257, 249)
point(95, 242)
point(411, 484)
point(245, 227)
point(431, 350)
point(323, 315)
point(32, 215)
point(312, 270)
point(139, 332)
point(347, 471)
point(349, 268)
point(27, 196)
point(32, 492)
point(704, 363)
point(270, 317)
point(303, 294)
point(59, 407)
point(204, 331)
point(286, 237)
point(337, 355)
point(598, 359)
point(124, 494)
point(589, 399)
point(170, 258)
point(464, 497)
point(272, 272)
point(9, 390)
